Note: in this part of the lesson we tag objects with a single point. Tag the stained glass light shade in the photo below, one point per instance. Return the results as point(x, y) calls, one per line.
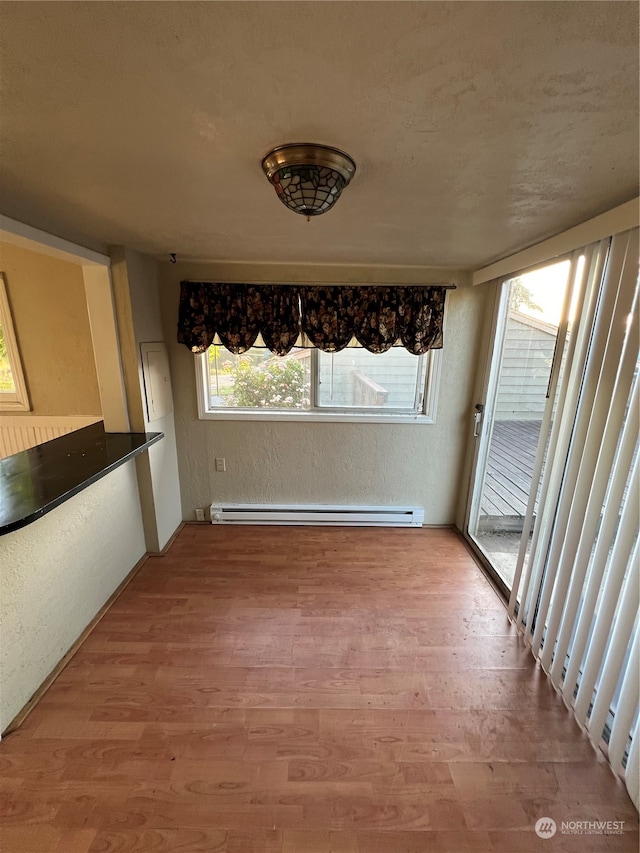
point(307, 178)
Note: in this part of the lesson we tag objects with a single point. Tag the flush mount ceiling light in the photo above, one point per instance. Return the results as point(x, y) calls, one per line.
point(308, 178)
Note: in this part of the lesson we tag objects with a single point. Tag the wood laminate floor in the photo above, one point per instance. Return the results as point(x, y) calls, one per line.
point(305, 690)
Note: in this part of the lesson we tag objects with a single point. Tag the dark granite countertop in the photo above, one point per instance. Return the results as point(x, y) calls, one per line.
point(36, 481)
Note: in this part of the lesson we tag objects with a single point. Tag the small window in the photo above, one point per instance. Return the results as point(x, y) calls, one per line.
point(13, 389)
point(308, 384)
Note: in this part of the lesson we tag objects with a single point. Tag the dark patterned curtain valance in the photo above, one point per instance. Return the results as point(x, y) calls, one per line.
point(329, 317)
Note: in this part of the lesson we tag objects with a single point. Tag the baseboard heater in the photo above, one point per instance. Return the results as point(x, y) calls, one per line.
point(342, 516)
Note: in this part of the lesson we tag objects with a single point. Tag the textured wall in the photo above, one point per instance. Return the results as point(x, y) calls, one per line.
point(490, 298)
point(56, 573)
point(329, 462)
point(49, 309)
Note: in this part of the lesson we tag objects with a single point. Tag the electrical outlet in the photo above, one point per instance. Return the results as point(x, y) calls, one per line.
point(199, 515)
point(221, 464)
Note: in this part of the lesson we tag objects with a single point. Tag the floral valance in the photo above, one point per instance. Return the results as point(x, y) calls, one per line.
point(326, 317)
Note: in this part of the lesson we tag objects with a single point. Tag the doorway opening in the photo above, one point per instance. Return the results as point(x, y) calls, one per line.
point(528, 357)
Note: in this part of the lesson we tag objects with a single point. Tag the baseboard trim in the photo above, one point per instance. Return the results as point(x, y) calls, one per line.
point(24, 712)
point(170, 542)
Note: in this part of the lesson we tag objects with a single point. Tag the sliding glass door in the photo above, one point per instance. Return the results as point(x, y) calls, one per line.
point(513, 425)
point(555, 496)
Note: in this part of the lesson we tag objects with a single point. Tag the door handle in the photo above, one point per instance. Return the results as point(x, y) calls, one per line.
point(477, 419)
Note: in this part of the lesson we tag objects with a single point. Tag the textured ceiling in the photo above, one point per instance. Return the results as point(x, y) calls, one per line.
point(478, 128)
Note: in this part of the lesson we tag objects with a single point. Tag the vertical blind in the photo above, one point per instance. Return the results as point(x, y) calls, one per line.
point(575, 595)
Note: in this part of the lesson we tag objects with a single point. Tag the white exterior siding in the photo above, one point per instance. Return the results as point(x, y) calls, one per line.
point(526, 363)
point(395, 373)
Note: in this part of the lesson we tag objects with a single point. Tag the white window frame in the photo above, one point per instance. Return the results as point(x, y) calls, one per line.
point(18, 400)
point(426, 416)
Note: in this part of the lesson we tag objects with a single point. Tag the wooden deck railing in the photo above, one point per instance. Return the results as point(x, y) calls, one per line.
point(366, 392)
